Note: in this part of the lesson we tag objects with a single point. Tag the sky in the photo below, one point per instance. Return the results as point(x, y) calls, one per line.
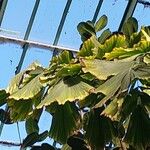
point(44, 29)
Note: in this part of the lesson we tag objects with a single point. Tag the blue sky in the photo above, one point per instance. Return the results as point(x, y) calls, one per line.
point(44, 29)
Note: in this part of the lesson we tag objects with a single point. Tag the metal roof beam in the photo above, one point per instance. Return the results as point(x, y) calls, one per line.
point(2, 9)
point(128, 12)
point(60, 27)
point(25, 47)
point(97, 11)
point(6, 39)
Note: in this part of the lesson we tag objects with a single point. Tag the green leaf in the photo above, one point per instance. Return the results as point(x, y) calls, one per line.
point(129, 104)
point(101, 23)
point(113, 109)
point(146, 35)
point(66, 147)
point(147, 59)
point(22, 109)
point(65, 57)
point(142, 71)
point(19, 110)
point(69, 70)
point(88, 76)
point(124, 73)
point(30, 140)
point(36, 114)
point(141, 47)
point(5, 117)
point(146, 29)
point(115, 41)
point(134, 39)
point(102, 69)
point(116, 85)
point(138, 130)
point(86, 49)
point(69, 89)
point(86, 30)
point(132, 100)
point(99, 129)
point(44, 146)
point(33, 138)
point(76, 142)
point(130, 27)
point(90, 101)
point(104, 35)
point(17, 82)
point(29, 90)
point(43, 136)
point(64, 125)
point(91, 48)
point(31, 125)
point(121, 53)
point(3, 96)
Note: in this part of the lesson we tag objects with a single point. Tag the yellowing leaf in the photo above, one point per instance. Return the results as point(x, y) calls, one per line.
point(28, 91)
point(115, 41)
point(70, 89)
point(120, 83)
point(140, 48)
point(17, 81)
point(102, 69)
point(146, 35)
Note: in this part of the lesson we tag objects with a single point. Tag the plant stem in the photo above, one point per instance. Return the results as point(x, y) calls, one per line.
point(123, 147)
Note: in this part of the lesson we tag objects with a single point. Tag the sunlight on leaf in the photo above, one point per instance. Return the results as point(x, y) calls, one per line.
point(101, 23)
point(69, 89)
point(24, 93)
point(102, 69)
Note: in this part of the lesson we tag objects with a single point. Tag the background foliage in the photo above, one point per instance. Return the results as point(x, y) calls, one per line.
point(98, 97)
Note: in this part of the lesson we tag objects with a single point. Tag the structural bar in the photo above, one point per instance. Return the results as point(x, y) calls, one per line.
point(128, 12)
point(2, 9)
point(97, 11)
point(61, 24)
point(6, 39)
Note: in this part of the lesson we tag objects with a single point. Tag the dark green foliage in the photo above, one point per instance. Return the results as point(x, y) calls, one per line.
point(33, 138)
point(76, 142)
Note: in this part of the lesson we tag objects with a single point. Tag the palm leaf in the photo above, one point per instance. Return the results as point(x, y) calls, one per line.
point(69, 89)
point(99, 129)
point(138, 130)
point(29, 90)
point(102, 69)
point(65, 120)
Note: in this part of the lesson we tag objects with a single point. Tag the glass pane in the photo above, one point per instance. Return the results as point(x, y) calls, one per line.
point(10, 55)
point(79, 11)
point(36, 54)
point(114, 10)
point(17, 16)
point(142, 14)
point(47, 20)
